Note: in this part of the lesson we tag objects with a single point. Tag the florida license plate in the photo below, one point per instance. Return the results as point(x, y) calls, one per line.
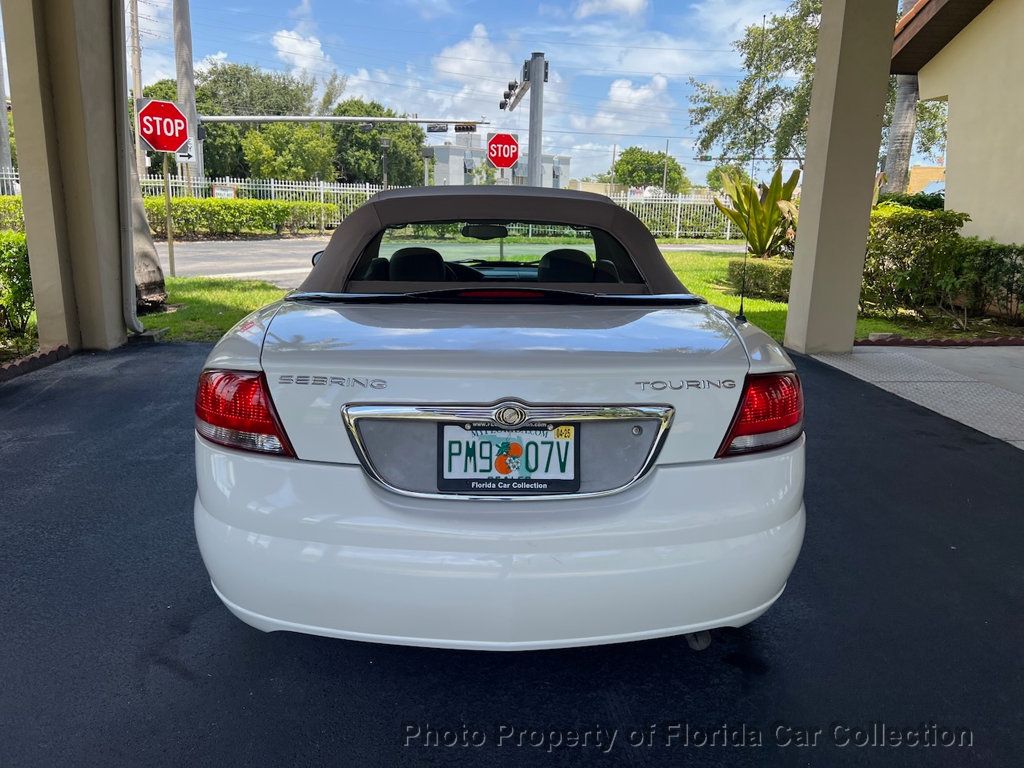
point(484, 459)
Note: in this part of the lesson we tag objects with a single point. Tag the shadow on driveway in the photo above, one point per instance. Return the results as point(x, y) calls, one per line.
point(905, 609)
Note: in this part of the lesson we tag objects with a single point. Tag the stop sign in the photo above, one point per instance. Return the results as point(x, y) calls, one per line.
point(502, 150)
point(163, 126)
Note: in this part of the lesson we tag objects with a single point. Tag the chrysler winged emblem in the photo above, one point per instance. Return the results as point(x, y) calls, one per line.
point(509, 415)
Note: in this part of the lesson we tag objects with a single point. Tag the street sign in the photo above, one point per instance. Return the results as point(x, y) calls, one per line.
point(186, 153)
point(437, 127)
point(502, 149)
point(162, 125)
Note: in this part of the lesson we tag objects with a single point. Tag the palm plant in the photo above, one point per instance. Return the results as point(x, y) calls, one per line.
point(766, 216)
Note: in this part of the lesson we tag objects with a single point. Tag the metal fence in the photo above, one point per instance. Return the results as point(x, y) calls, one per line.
point(679, 216)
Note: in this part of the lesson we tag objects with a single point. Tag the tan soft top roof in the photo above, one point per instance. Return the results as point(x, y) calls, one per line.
point(492, 203)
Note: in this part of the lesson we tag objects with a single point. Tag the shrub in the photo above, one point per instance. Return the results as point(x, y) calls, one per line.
point(765, 215)
point(984, 276)
point(12, 216)
point(16, 302)
point(765, 278)
point(907, 251)
point(922, 201)
point(213, 217)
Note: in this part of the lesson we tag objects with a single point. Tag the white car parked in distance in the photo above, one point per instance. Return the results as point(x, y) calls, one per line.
point(493, 418)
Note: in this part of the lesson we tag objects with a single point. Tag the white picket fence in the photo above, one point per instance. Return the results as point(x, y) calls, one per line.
point(679, 216)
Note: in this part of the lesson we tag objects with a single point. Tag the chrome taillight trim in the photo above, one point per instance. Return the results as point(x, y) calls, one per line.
point(448, 414)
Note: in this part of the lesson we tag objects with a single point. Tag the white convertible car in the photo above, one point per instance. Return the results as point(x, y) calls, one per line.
point(493, 418)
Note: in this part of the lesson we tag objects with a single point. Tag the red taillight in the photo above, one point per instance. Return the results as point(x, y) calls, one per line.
point(234, 408)
point(770, 414)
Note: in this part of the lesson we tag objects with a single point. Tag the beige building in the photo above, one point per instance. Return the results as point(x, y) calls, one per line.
point(971, 53)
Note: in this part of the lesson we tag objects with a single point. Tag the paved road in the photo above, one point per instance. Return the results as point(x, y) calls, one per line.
point(286, 262)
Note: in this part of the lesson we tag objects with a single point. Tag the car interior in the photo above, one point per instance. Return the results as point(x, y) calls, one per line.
point(433, 258)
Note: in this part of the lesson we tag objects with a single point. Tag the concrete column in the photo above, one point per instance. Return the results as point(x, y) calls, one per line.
point(843, 137)
point(61, 62)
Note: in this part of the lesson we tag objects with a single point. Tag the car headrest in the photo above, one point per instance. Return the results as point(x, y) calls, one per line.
point(377, 269)
point(417, 264)
point(565, 265)
point(605, 271)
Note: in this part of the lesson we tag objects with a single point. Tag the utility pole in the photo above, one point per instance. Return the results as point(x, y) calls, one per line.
point(615, 157)
point(535, 74)
point(133, 16)
point(186, 78)
point(5, 139)
point(384, 144)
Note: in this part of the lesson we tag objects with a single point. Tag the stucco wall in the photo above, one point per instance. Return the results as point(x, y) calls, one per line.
point(981, 73)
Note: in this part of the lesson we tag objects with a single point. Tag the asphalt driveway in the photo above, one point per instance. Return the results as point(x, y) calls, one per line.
point(906, 608)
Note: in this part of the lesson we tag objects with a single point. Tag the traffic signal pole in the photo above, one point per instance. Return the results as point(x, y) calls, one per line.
point(535, 164)
point(535, 74)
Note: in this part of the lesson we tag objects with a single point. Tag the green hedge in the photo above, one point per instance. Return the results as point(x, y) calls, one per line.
point(909, 255)
point(923, 201)
point(765, 278)
point(12, 216)
point(16, 303)
point(209, 216)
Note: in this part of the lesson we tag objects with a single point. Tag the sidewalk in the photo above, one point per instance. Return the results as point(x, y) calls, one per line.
point(981, 387)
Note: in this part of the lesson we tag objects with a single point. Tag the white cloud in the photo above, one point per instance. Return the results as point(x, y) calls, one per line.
point(629, 108)
point(725, 20)
point(208, 61)
point(432, 9)
point(303, 53)
point(618, 7)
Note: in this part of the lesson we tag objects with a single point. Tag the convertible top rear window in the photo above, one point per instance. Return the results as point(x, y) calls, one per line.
point(434, 254)
point(520, 238)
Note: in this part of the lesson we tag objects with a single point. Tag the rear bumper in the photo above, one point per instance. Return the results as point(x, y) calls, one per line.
point(316, 548)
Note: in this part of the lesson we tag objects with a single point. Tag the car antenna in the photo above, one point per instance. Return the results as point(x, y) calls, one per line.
point(741, 316)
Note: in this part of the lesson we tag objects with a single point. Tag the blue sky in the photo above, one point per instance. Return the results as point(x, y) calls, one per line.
point(618, 68)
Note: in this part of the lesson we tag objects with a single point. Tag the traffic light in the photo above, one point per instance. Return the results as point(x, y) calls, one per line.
point(465, 128)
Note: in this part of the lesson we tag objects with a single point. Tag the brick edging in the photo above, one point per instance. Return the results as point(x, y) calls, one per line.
point(33, 362)
point(899, 341)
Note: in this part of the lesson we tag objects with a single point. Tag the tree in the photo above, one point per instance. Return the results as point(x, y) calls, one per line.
point(767, 110)
point(288, 151)
point(716, 180)
point(358, 150)
point(639, 167)
point(902, 125)
point(242, 89)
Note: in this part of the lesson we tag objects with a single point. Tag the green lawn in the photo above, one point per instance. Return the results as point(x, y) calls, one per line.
point(205, 307)
point(704, 273)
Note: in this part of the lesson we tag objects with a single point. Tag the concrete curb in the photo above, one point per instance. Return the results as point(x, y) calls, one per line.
point(33, 362)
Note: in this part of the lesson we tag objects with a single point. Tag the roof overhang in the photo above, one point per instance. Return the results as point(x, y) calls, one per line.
point(927, 28)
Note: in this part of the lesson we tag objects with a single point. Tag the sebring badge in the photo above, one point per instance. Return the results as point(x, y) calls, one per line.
point(509, 415)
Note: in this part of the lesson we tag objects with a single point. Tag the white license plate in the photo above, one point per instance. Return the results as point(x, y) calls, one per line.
point(483, 459)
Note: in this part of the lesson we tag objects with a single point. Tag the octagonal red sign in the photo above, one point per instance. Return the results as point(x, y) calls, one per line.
point(163, 126)
point(502, 150)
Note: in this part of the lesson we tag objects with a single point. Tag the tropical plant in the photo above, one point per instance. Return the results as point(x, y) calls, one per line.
point(766, 216)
